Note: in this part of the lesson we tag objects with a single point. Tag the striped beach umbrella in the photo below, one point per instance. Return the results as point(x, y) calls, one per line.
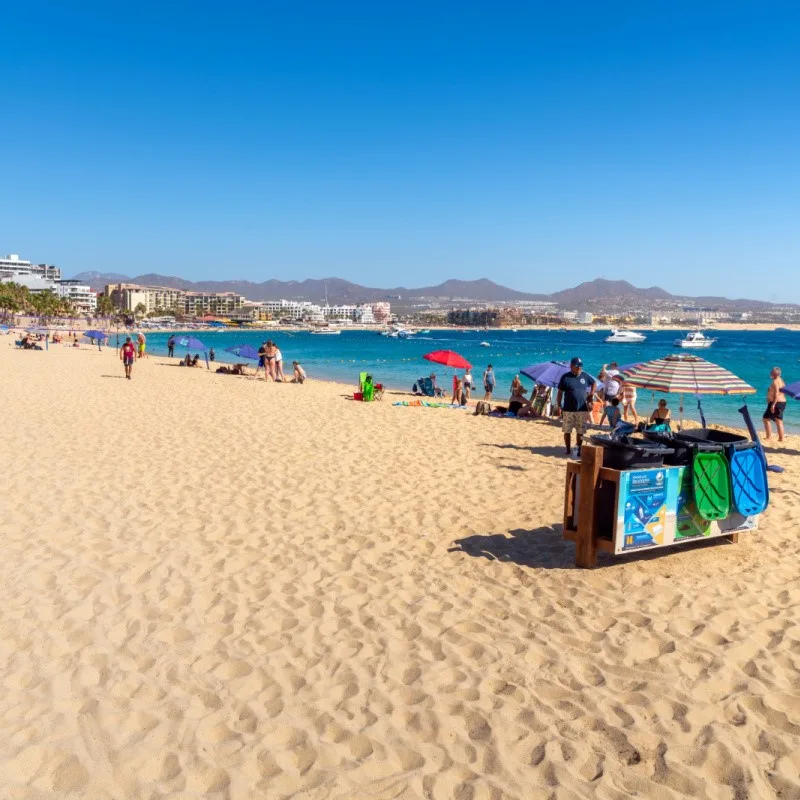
point(685, 374)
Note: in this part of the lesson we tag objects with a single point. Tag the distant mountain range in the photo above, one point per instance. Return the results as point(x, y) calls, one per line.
point(599, 294)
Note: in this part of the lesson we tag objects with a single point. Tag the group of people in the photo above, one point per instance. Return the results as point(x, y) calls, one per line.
point(271, 359)
point(579, 396)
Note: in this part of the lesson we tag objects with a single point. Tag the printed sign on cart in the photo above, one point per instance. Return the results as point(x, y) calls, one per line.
point(646, 509)
point(656, 508)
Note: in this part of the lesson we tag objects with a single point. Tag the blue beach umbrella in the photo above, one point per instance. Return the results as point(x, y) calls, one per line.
point(95, 335)
point(243, 351)
point(190, 343)
point(792, 390)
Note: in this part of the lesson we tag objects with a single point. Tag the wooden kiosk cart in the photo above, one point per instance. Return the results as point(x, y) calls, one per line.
point(622, 511)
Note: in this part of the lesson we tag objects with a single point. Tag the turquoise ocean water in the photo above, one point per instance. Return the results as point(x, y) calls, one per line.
point(397, 363)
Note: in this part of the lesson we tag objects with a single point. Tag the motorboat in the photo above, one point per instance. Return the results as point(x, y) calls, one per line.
point(326, 332)
point(694, 339)
point(426, 332)
point(624, 337)
point(484, 344)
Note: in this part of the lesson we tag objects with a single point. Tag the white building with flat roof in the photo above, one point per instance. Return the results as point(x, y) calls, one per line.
point(78, 294)
point(12, 265)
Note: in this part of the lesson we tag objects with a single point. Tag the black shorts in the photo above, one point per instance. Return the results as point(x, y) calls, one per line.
point(127, 361)
point(777, 414)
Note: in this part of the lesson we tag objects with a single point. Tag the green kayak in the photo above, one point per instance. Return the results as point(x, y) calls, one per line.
point(712, 485)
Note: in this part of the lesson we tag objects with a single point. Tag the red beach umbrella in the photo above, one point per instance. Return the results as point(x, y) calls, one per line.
point(449, 358)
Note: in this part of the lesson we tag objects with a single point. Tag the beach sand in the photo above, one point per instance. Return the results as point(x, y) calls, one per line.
point(216, 587)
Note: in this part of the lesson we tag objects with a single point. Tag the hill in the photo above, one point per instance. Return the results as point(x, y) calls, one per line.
point(596, 295)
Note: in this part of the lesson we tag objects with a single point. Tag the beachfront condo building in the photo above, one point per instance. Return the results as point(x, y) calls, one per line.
point(80, 295)
point(13, 266)
point(130, 296)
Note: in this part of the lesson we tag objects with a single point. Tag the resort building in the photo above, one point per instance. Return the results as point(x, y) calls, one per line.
point(129, 296)
point(12, 267)
point(78, 294)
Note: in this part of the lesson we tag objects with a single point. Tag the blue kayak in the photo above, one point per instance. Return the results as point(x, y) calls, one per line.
point(749, 481)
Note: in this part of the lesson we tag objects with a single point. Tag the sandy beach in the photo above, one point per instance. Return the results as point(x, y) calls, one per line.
point(214, 587)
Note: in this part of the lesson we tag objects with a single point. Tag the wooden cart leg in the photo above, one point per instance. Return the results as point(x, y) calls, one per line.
point(733, 537)
point(585, 548)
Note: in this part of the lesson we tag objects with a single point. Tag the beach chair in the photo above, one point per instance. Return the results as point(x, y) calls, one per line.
point(425, 386)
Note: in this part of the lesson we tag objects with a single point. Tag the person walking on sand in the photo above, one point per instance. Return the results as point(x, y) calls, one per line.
point(776, 404)
point(488, 383)
point(574, 390)
point(127, 354)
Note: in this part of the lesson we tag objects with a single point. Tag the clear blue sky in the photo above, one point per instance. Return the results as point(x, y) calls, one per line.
point(402, 143)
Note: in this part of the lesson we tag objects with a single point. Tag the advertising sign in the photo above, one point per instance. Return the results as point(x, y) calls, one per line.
point(656, 508)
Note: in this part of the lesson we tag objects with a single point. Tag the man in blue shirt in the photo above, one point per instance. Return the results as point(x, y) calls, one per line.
point(574, 390)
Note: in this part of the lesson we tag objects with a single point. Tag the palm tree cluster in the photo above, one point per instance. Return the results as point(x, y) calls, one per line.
point(16, 299)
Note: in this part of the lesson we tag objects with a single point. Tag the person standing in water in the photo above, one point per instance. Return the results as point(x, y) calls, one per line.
point(776, 404)
point(127, 354)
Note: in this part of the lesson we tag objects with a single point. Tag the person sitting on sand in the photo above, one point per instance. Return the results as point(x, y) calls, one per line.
point(612, 413)
point(661, 415)
point(299, 373)
point(196, 360)
point(518, 404)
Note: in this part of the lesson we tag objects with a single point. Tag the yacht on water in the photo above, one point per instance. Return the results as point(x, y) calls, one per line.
point(326, 332)
point(694, 339)
point(625, 337)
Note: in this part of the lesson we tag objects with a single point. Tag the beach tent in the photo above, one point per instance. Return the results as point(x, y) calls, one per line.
point(686, 374)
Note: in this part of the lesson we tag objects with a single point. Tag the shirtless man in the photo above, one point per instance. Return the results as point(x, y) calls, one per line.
point(776, 404)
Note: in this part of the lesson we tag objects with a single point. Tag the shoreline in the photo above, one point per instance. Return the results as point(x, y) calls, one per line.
point(744, 327)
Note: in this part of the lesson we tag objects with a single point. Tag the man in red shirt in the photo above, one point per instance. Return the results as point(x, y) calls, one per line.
point(127, 353)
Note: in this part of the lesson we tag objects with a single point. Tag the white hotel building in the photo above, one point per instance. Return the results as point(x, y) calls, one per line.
point(47, 278)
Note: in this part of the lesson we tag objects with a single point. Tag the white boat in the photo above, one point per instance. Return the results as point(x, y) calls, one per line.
point(325, 332)
point(484, 344)
point(694, 339)
point(426, 332)
point(624, 337)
